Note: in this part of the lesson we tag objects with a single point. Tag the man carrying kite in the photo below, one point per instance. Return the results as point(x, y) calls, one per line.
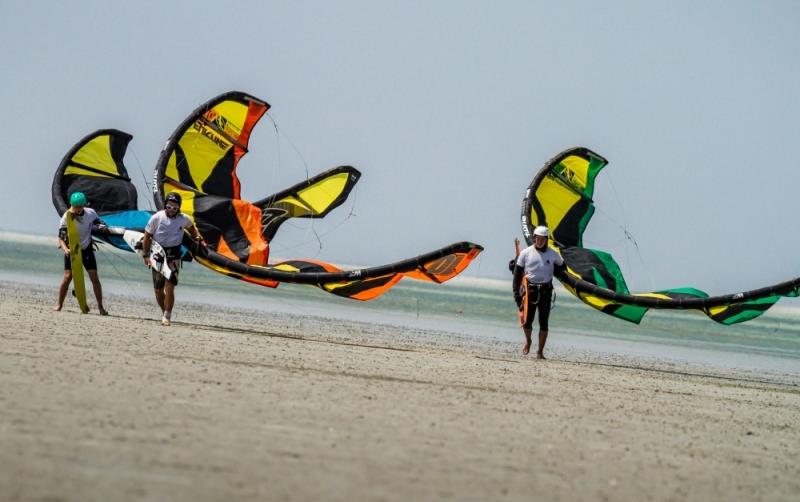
point(85, 218)
point(166, 228)
point(535, 265)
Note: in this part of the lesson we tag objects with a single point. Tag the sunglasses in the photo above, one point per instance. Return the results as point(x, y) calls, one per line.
point(170, 207)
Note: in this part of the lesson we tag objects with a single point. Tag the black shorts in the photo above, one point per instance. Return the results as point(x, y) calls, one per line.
point(540, 297)
point(174, 263)
point(89, 261)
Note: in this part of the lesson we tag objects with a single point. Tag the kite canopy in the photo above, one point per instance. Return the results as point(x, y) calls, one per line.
point(94, 166)
point(200, 160)
point(205, 149)
point(561, 197)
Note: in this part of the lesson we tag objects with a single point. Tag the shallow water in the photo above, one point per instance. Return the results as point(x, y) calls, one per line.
point(480, 308)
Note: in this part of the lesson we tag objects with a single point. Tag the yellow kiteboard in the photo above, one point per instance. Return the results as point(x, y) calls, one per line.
point(76, 262)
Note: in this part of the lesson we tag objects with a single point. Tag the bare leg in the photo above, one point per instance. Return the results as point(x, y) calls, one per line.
point(169, 296)
point(527, 347)
point(98, 291)
point(168, 302)
point(542, 341)
point(62, 289)
point(160, 298)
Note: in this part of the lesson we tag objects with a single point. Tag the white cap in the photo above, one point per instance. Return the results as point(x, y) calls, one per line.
point(542, 230)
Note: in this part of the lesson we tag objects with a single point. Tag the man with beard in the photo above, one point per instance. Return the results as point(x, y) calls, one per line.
point(166, 228)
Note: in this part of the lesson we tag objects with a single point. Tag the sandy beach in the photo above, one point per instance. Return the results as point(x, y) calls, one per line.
point(235, 405)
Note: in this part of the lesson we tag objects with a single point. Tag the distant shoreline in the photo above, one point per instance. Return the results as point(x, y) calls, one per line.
point(789, 306)
point(478, 282)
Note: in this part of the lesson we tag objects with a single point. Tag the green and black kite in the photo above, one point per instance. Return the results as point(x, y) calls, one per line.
point(561, 197)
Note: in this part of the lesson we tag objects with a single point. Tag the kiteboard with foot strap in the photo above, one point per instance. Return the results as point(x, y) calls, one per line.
point(158, 258)
point(76, 262)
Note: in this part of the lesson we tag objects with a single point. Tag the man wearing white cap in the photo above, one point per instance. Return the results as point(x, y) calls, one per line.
point(536, 265)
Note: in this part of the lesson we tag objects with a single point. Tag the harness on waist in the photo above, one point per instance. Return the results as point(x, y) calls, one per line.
point(535, 291)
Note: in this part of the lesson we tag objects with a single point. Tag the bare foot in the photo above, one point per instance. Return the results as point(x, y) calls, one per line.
point(539, 355)
point(526, 349)
point(57, 308)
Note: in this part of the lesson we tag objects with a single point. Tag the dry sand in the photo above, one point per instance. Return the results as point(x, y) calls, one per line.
point(286, 408)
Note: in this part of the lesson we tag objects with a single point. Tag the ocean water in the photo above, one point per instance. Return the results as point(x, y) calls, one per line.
point(468, 305)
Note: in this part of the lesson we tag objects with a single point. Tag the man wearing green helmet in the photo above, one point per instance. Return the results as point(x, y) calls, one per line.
point(85, 218)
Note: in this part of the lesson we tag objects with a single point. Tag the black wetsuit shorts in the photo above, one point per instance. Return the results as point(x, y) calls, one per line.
point(173, 262)
point(540, 296)
point(89, 260)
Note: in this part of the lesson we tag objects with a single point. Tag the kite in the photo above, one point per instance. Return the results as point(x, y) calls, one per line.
point(94, 166)
point(199, 162)
point(561, 197)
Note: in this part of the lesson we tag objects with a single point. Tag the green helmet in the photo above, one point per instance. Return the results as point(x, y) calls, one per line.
point(77, 199)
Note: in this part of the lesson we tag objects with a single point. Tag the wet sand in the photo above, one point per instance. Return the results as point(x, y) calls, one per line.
point(238, 405)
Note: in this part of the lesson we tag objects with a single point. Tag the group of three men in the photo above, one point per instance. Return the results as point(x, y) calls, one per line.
point(532, 285)
point(166, 227)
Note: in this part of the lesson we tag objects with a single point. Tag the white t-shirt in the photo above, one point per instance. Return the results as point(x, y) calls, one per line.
point(167, 231)
point(539, 265)
point(84, 224)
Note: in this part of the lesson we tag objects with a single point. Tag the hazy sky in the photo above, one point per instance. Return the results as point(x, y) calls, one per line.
point(448, 109)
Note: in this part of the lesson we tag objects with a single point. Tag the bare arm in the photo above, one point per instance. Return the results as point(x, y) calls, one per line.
point(62, 240)
point(194, 233)
point(199, 247)
point(146, 248)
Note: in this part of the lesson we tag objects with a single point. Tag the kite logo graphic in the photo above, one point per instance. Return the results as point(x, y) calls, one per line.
point(221, 122)
point(566, 174)
point(218, 120)
point(200, 127)
point(354, 274)
point(211, 115)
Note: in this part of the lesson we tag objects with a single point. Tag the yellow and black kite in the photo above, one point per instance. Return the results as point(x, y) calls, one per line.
point(561, 197)
point(94, 166)
point(199, 161)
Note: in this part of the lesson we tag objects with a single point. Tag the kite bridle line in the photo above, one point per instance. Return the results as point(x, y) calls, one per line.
point(278, 135)
point(126, 262)
point(311, 228)
point(350, 214)
point(627, 234)
point(279, 132)
point(147, 184)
